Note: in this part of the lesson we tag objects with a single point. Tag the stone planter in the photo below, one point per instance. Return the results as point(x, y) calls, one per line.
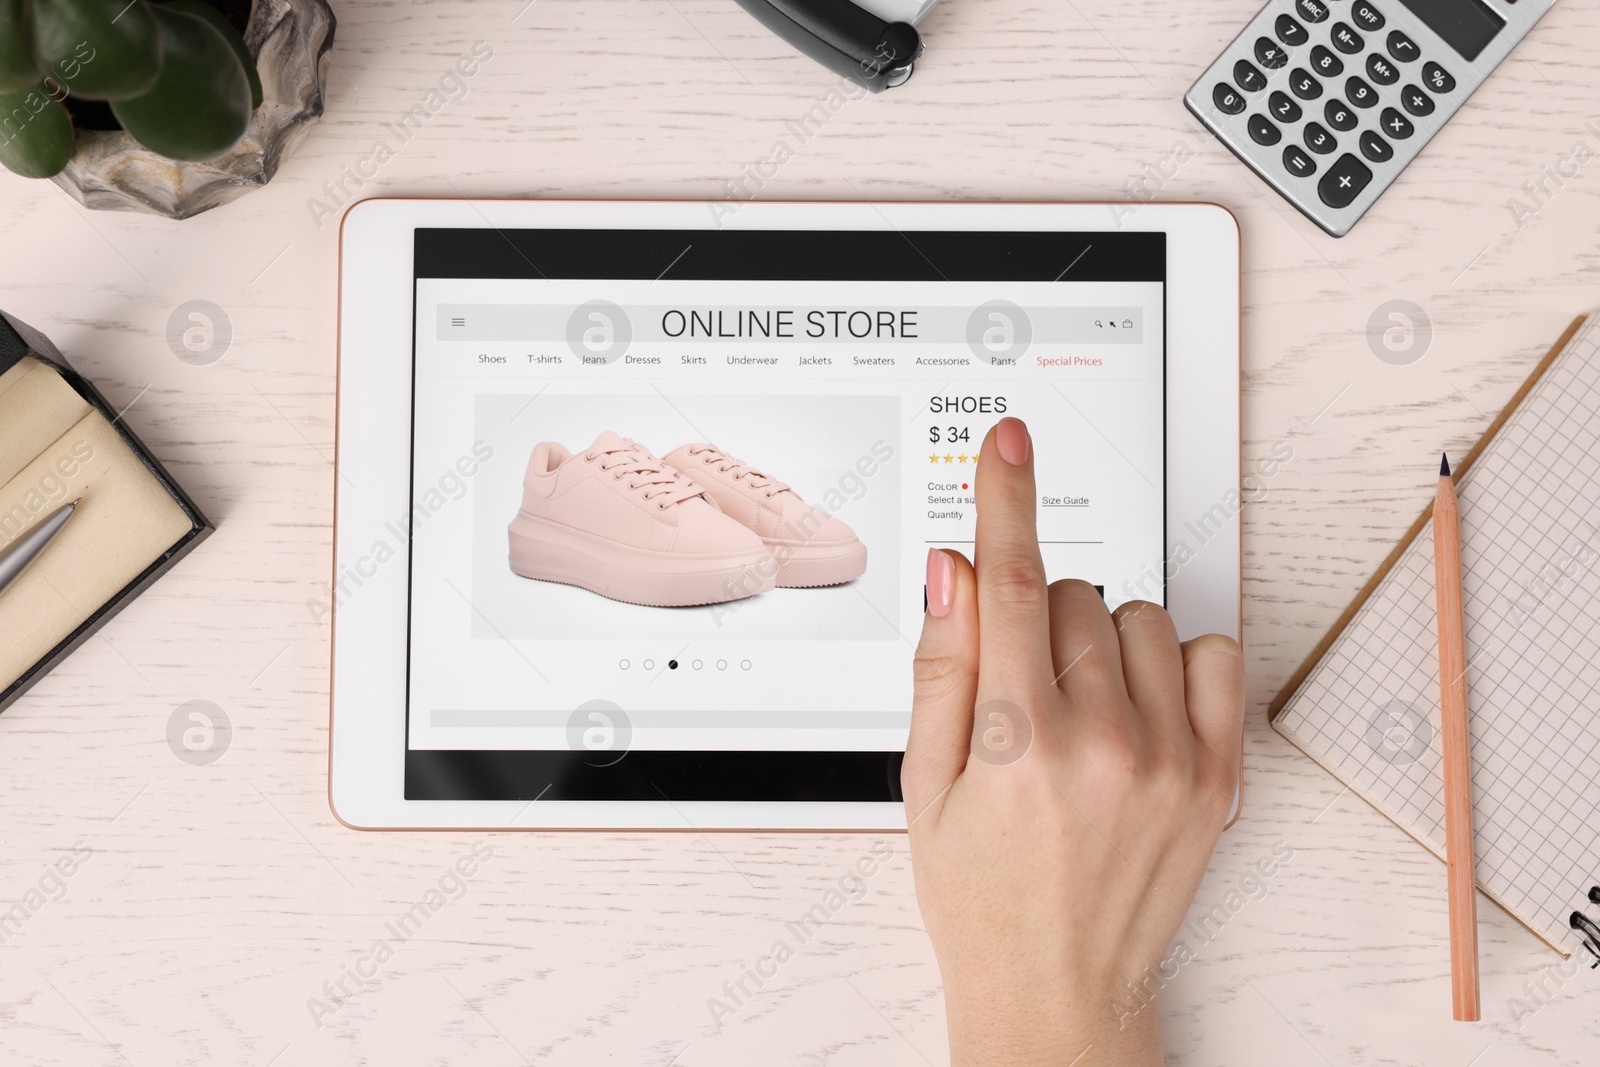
point(290, 40)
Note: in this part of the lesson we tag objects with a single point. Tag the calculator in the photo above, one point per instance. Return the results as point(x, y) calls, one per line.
point(1329, 99)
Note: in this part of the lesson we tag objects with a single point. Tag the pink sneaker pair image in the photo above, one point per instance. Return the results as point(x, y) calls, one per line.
point(697, 527)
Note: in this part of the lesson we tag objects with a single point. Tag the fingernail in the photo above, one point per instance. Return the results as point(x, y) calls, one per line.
point(1011, 437)
point(941, 583)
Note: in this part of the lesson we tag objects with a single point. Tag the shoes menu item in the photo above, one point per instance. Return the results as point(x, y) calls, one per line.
point(810, 546)
point(617, 521)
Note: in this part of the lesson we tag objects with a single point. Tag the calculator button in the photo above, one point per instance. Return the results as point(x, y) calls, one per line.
point(1395, 125)
point(1227, 99)
point(1359, 92)
point(1304, 85)
point(1297, 162)
point(1283, 109)
point(1262, 131)
point(1290, 32)
point(1381, 70)
point(1249, 78)
point(1416, 101)
point(1311, 10)
point(1366, 15)
point(1344, 181)
point(1326, 63)
point(1270, 53)
point(1319, 140)
point(1339, 116)
point(1375, 148)
point(1401, 47)
point(1345, 39)
point(1437, 78)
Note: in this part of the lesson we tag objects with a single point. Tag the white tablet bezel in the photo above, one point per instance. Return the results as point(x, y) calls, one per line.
point(367, 689)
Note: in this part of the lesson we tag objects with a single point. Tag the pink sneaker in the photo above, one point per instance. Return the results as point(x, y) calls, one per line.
point(616, 521)
point(812, 548)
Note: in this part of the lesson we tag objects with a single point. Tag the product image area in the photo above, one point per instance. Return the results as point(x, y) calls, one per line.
point(701, 508)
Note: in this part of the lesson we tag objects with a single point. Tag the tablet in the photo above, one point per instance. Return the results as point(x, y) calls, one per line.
point(633, 500)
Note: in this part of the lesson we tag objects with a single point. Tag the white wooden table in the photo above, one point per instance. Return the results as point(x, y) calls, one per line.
point(220, 899)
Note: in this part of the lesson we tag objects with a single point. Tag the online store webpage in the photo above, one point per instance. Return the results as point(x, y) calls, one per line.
point(854, 406)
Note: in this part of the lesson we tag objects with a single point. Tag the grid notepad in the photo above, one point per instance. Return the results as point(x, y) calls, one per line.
point(1530, 536)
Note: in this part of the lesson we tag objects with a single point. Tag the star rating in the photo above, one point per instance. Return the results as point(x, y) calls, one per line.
point(963, 458)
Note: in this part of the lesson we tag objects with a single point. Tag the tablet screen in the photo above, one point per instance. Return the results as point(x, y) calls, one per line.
point(673, 491)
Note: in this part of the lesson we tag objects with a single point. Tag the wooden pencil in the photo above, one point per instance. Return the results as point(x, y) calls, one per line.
point(1457, 752)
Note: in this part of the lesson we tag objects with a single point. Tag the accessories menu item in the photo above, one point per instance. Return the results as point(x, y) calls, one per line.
point(811, 548)
point(615, 520)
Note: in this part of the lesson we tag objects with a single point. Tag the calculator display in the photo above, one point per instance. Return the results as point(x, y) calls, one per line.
point(1465, 25)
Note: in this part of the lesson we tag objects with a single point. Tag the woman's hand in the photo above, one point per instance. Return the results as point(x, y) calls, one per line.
point(1068, 774)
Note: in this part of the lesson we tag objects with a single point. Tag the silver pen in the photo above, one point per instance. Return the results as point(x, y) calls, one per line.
point(15, 559)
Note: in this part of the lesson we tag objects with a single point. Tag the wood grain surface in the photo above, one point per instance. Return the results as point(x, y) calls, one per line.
point(208, 905)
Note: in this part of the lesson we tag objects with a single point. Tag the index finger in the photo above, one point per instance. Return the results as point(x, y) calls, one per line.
point(1013, 602)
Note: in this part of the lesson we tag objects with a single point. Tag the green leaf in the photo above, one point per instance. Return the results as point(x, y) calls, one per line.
point(18, 68)
point(201, 9)
point(98, 49)
point(200, 105)
point(35, 133)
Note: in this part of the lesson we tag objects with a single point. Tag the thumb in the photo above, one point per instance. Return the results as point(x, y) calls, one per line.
point(945, 677)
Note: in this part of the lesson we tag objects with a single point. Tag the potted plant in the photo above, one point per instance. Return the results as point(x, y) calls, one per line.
point(169, 106)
